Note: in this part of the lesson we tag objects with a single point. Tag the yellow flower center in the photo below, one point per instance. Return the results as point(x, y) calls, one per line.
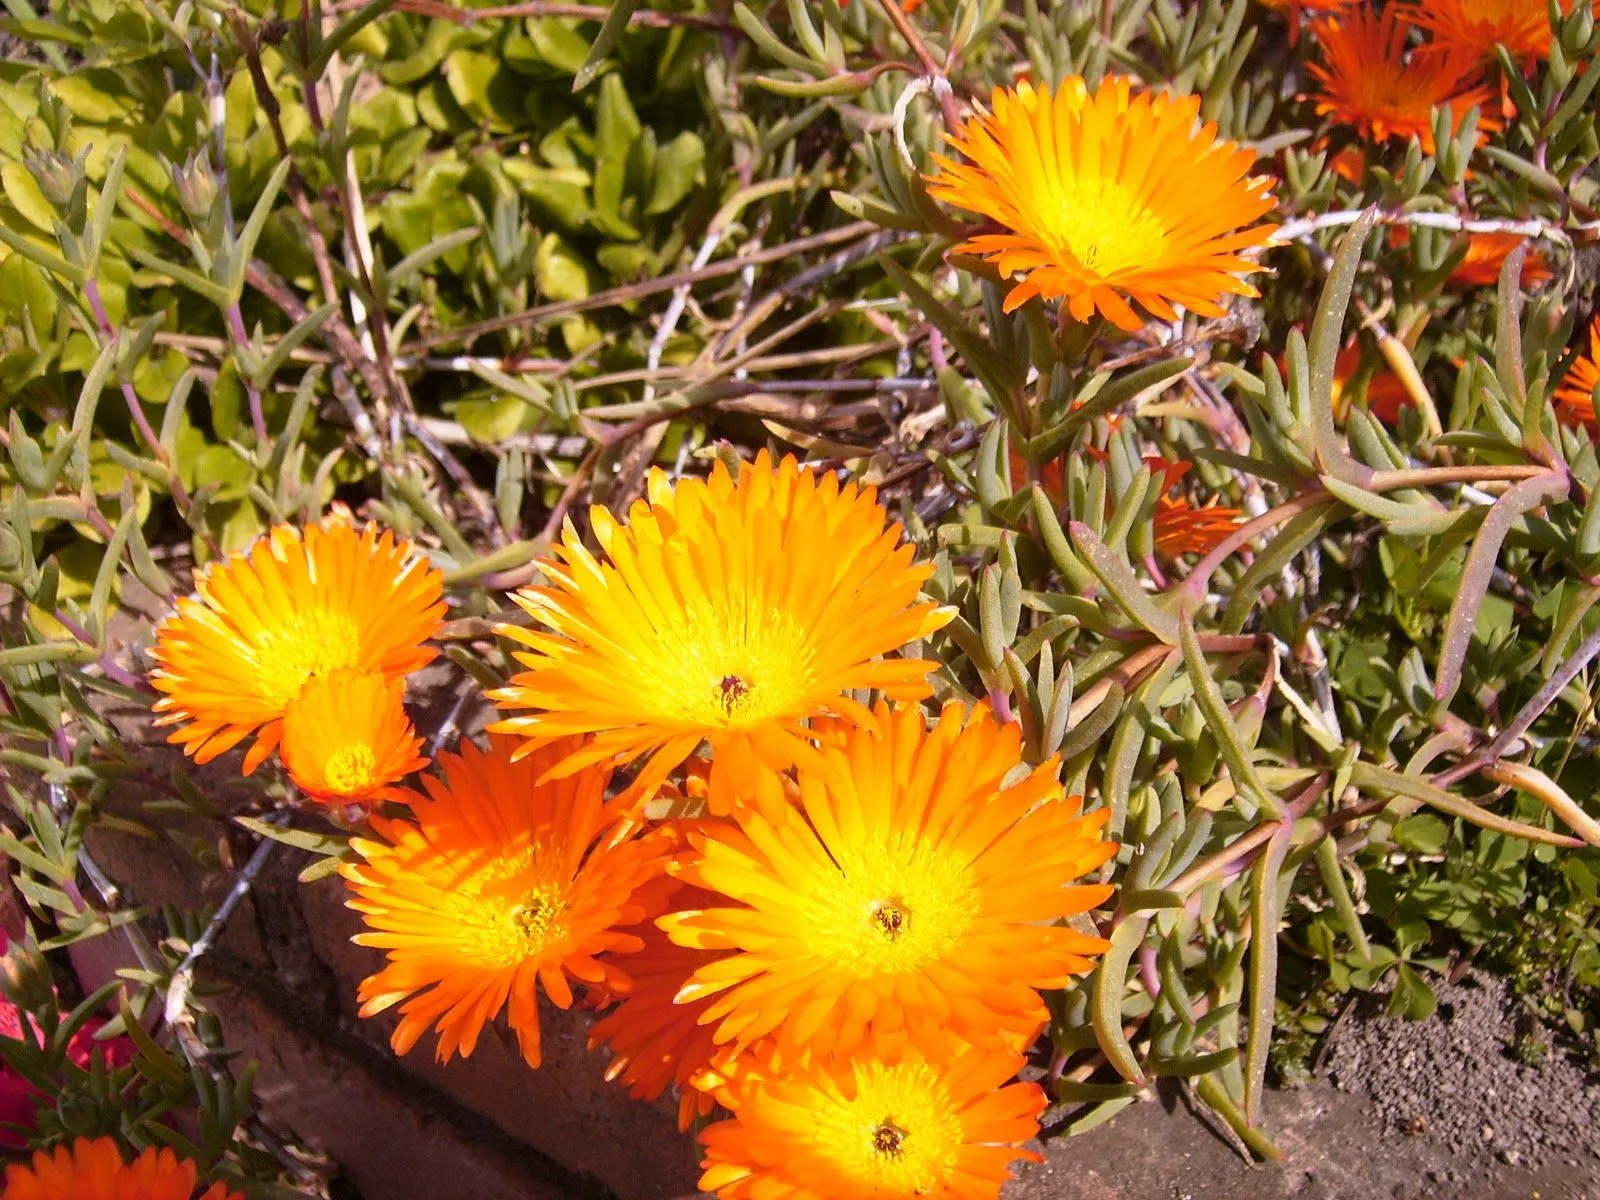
point(502, 912)
point(898, 1136)
point(539, 917)
point(896, 908)
point(721, 673)
point(1106, 225)
point(351, 770)
point(315, 642)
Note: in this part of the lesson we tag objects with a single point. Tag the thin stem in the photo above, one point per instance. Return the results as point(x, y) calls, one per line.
point(1196, 581)
point(1295, 231)
point(183, 976)
point(935, 73)
point(1531, 711)
point(258, 417)
point(610, 297)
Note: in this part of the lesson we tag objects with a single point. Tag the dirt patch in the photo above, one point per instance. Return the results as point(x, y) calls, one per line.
point(1431, 1110)
point(1455, 1078)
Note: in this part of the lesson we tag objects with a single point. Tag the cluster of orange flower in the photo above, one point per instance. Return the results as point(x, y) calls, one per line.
point(830, 920)
point(95, 1170)
point(304, 642)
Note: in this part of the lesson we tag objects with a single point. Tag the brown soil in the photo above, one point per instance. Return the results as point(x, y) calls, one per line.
point(1432, 1110)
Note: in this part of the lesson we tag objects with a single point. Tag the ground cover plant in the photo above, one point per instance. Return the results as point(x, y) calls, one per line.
point(1015, 550)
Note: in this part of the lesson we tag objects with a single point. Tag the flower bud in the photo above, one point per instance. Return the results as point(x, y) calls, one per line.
point(197, 187)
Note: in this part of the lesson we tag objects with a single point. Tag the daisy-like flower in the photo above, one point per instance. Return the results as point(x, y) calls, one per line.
point(293, 608)
point(655, 1042)
point(1575, 397)
point(94, 1170)
point(347, 739)
point(1487, 254)
point(722, 612)
point(1181, 526)
point(946, 1125)
point(1370, 83)
point(500, 881)
point(1107, 200)
point(907, 890)
point(1475, 27)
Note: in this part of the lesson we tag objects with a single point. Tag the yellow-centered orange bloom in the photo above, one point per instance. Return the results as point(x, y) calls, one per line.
point(655, 1042)
point(347, 739)
point(908, 890)
point(1181, 526)
point(1475, 27)
point(499, 882)
point(293, 608)
point(1370, 83)
point(1108, 200)
point(1575, 397)
point(908, 1126)
point(94, 1170)
point(722, 612)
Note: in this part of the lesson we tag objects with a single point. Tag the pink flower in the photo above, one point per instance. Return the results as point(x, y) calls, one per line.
point(18, 1097)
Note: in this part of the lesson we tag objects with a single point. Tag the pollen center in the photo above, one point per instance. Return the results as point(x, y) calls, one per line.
point(539, 916)
point(888, 1139)
point(315, 642)
point(897, 1136)
point(504, 908)
point(1106, 225)
point(895, 908)
point(725, 672)
point(891, 917)
point(351, 770)
point(732, 691)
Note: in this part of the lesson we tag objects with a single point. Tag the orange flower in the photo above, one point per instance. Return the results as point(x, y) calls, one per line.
point(94, 1170)
point(347, 739)
point(1181, 526)
point(908, 890)
point(725, 612)
point(895, 1127)
point(655, 1042)
point(1299, 9)
point(1486, 255)
point(1575, 397)
point(292, 609)
point(500, 881)
point(1108, 199)
point(1474, 27)
point(1372, 84)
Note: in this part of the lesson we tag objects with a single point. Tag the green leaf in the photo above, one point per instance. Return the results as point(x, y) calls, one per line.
point(1518, 500)
point(1110, 982)
point(1119, 579)
point(1246, 779)
point(22, 190)
point(300, 839)
point(561, 273)
point(343, 32)
point(1411, 998)
point(245, 247)
point(1327, 333)
point(615, 23)
point(677, 168)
